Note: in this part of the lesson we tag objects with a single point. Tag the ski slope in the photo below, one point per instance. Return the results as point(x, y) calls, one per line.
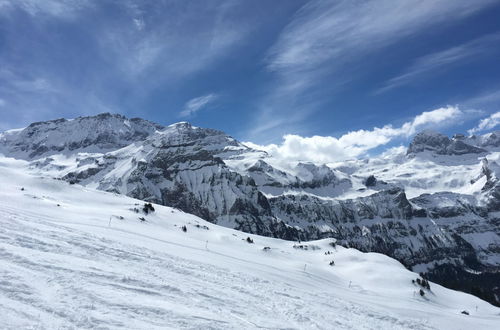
point(77, 258)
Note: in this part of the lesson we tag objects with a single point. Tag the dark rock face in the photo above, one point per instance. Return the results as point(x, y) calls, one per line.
point(429, 141)
point(371, 181)
point(441, 145)
point(385, 222)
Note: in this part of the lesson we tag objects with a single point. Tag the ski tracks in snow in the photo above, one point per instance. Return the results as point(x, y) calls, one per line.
point(57, 276)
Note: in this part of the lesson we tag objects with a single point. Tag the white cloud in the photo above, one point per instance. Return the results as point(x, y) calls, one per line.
point(323, 149)
point(435, 62)
point(194, 105)
point(449, 113)
point(485, 98)
point(139, 23)
point(35, 85)
point(65, 9)
point(487, 123)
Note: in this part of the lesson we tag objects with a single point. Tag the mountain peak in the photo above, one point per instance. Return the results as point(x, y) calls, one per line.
point(440, 144)
point(102, 132)
point(182, 125)
point(428, 140)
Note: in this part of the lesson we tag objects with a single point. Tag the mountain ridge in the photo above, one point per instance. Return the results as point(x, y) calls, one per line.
point(449, 218)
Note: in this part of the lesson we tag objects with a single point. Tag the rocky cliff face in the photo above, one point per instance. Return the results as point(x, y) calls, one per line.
point(450, 223)
point(319, 180)
point(417, 232)
point(442, 145)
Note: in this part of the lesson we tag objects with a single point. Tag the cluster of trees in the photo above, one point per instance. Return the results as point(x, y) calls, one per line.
point(148, 207)
point(306, 247)
point(481, 284)
point(423, 282)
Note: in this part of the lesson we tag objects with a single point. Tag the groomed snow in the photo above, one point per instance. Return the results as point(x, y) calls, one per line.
point(69, 262)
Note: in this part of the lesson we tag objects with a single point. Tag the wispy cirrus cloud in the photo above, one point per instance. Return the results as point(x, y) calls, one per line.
point(196, 104)
point(161, 49)
point(55, 8)
point(324, 149)
point(488, 97)
point(40, 95)
point(326, 38)
point(13, 82)
point(442, 60)
point(322, 31)
point(487, 123)
point(71, 57)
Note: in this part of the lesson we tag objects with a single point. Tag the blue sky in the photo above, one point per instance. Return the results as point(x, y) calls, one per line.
point(257, 69)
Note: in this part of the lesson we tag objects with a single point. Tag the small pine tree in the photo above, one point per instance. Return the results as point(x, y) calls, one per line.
point(184, 229)
point(148, 207)
point(249, 240)
point(422, 293)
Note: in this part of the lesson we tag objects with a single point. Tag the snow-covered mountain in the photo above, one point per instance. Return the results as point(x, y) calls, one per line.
point(435, 207)
point(77, 258)
point(442, 145)
point(101, 133)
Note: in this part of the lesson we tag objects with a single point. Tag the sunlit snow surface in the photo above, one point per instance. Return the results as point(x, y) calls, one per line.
point(69, 262)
